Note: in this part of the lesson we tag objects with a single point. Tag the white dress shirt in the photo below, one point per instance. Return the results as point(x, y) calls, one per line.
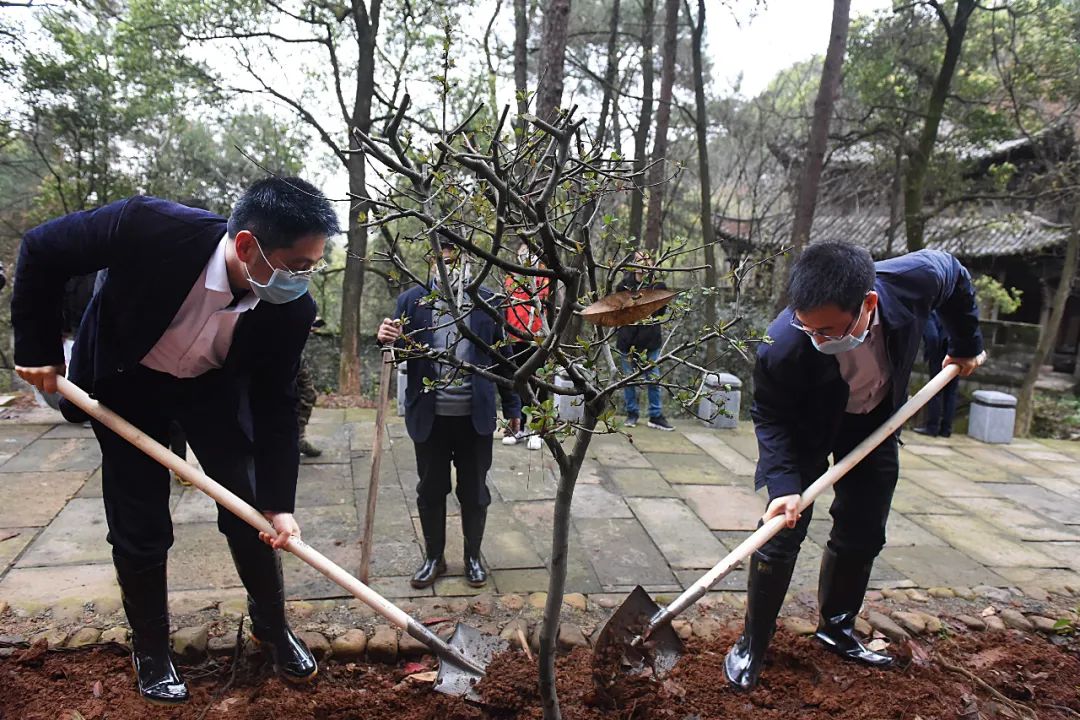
point(866, 371)
point(200, 334)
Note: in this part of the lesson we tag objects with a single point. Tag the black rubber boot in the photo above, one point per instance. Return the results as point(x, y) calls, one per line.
point(143, 589)
point(473, 520)
point(433, 522)
point(841, 588)
point(765, 591)
point(259, 567)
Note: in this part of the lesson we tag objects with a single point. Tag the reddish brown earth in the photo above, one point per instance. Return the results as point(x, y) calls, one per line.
point(1025, 677)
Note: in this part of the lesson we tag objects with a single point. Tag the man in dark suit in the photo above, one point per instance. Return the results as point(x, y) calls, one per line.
point(836, 369)
point(450, 412)
point(200, 321)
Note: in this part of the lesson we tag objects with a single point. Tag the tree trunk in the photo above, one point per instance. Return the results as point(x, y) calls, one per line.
point(641, 136)
point(819, 127)
point(521, 59)
point(352, 284)
point(1025, 403)
point(609, 76)
point(663, 120)
point(553, 55)
point(560, 543)
point(895, 192)
point(707, 235)
point(810, 180)
point(919, 158)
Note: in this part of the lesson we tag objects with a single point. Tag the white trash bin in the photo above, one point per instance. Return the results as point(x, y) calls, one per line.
point(993, 416)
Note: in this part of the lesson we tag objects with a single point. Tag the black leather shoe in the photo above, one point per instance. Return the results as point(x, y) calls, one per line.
point(259, 567)
point(430, 571)
point(765, 590)
point(475, 574)
point(926, 431)
point(841, 588)
point(143, 590)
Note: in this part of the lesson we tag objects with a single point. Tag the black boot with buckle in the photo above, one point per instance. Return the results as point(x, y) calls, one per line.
point(765, 591)
point(473, 520)
point(143, 589)
point(433, 523)
point(841, 588)
point(259, 567)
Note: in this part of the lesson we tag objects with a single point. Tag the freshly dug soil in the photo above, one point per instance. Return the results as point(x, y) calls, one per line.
point(1008, 676)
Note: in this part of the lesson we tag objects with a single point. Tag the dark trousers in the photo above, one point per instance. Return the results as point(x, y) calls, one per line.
point(860, 509)
point(136, 488)
point(941, 409)
point(522, 352)
point(453, 440)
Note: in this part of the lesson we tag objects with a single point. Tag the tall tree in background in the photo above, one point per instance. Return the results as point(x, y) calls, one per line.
point(663, 120)
point(918, 163)
point(341, 39)
point(810, 179)
point(1036, 56)
point(608, 106)
point(641, 133)
point(701, 132)
point(552, 58)
point(521, 60)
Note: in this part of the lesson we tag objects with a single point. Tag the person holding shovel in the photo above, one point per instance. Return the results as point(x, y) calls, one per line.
point(450, 411)
point(201, 320)
point(836, 369)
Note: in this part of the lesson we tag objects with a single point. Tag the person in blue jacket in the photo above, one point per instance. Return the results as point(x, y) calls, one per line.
point(941, 409)
point(200, 321)
point(836, 368)
point(450, 411)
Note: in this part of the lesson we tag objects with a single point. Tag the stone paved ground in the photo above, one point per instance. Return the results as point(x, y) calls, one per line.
point(657, 512)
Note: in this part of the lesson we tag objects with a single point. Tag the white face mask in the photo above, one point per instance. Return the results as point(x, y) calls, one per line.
point(842, 345)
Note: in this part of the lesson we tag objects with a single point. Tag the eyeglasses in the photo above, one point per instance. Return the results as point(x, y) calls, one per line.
point(317, 268)
point(794, 322)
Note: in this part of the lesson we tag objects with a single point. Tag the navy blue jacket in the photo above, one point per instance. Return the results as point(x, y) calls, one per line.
point(155, 251)
point(799, 395)
point(419, 399)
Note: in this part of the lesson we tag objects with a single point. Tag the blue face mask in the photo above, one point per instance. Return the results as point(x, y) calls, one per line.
point(282, 287)
point(841, 345)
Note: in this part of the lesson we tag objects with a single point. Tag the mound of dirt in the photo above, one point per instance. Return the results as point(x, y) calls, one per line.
point(998, 675)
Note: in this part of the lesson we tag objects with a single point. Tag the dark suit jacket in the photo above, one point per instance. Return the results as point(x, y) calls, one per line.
point(799, 395)
point(155, 251)
point(420, 401)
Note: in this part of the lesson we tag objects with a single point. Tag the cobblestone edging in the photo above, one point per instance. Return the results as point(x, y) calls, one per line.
point(348, 631)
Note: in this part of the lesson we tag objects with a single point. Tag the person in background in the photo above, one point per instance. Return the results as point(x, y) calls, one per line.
point(526, 301)
point(450, 413)
point(200, 320)
point(942, 407)
point(305, 387)
point(644, 337)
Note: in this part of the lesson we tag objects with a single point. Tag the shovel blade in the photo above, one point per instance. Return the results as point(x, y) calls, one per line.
point(659, 653)
point(476, 647)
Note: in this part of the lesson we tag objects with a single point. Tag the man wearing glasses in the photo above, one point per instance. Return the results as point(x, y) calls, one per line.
point(836, 369)
point(199, 321)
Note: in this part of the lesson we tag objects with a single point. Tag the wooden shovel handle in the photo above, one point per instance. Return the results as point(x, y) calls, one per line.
point(230, 501)
point(385, 374)
point(765, 533)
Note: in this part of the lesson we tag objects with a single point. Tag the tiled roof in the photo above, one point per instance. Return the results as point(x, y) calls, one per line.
point(965, 237)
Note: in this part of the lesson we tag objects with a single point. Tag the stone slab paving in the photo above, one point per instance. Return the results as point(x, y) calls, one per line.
point(655, 510)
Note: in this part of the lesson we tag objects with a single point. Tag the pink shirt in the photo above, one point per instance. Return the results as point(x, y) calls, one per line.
point(200, 334)
point(866, 371)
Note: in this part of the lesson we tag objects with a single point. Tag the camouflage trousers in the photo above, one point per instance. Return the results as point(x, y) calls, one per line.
point(305, 387)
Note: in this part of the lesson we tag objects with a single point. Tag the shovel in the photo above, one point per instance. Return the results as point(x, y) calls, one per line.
point(639, 630)
point(462, 660)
